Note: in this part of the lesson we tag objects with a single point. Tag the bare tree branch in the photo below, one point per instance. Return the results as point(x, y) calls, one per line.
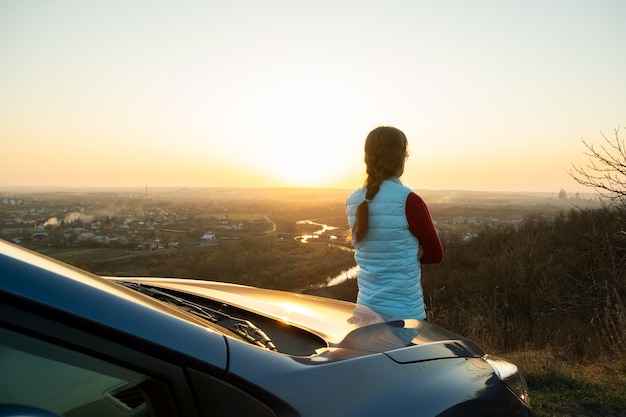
point(606, 169)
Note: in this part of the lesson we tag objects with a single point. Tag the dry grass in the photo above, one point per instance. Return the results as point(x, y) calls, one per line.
point(562, 387)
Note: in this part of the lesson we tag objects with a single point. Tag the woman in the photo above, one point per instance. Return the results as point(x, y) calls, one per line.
point(392, 232)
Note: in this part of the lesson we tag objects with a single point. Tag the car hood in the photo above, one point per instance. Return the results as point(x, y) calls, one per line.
point(341, 324)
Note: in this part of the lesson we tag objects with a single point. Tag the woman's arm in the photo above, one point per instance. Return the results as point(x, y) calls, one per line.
point(421, 225)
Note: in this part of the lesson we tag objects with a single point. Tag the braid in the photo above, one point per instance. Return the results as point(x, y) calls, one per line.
point(373, 183)
point(385, 149)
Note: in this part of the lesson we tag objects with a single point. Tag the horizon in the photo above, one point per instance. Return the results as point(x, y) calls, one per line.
point(152, 190)
point(277, 94)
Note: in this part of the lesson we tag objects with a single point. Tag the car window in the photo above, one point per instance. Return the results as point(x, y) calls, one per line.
point(40, 374)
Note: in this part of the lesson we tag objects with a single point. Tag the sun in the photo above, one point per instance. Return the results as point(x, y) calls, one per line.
point(305, 129)
point(306, 144)
point(309, 156)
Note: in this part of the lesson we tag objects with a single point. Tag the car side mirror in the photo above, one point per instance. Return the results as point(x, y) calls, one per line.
point(18, 410)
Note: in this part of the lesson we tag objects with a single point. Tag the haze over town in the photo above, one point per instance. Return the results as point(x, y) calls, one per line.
point(493, 96)
point(169, 218)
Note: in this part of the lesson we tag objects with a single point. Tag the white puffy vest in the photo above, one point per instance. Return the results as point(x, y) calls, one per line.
point(389, 275)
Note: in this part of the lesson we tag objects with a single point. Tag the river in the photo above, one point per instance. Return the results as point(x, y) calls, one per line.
point(324, 228)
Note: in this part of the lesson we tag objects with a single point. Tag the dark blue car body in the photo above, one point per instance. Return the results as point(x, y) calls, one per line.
point(76, 344)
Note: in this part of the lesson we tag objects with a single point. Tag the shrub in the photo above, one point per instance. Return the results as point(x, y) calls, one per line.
point(547, 281)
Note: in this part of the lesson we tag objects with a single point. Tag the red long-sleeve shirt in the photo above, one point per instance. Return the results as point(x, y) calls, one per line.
point(421, 225)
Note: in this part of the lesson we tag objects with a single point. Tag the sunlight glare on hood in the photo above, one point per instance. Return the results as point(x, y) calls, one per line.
point(289, 307)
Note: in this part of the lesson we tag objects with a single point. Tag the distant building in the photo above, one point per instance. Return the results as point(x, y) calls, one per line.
point(208, 239)
point(40, 233)
point(12, 201)
point(85, 236)
point(13, 228)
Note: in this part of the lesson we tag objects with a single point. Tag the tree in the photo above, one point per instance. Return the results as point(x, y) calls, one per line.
point(606, 168)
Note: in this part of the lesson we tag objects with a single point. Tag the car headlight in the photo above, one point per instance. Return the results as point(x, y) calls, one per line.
point(511, 376)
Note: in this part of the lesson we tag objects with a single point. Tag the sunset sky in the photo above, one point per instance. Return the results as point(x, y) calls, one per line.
point(492, 95)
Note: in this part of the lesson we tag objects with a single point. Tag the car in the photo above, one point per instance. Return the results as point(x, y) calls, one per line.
point(77, 344)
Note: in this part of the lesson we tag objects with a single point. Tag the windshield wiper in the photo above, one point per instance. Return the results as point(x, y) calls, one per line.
point(253, 334)
point(244, 328)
